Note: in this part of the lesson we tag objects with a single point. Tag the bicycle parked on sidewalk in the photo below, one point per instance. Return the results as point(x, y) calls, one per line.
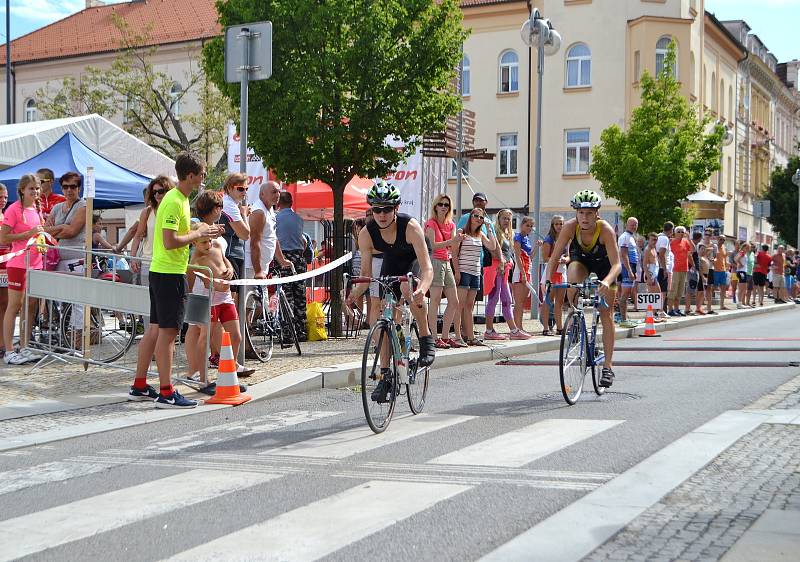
point(581, 346)
point(390, 362)
point(268, 318)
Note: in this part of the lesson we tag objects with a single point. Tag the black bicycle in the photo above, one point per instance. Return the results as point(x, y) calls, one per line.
point(581, 348)
point(268, 318)
point(390, 362)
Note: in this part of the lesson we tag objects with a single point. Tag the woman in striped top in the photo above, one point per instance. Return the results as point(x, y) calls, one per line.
point(468, 268)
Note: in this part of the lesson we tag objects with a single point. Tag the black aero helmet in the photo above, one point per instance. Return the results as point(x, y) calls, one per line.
point(586, 199)
point(382, 193)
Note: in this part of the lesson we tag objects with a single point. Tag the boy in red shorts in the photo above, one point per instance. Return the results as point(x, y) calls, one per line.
point(223, 309)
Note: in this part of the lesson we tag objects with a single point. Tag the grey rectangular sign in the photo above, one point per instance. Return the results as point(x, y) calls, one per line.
point(258, 36)
point(761, 209)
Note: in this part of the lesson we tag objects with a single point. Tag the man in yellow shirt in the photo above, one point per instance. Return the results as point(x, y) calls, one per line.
point(171, 239)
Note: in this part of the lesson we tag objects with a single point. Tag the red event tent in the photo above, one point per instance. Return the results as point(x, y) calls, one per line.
point(314, 200)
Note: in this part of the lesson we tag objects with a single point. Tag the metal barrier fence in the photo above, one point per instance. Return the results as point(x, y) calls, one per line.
point(115, 305)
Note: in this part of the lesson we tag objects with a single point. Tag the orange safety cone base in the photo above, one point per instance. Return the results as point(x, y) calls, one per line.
point(649, 335)
point(227, 382)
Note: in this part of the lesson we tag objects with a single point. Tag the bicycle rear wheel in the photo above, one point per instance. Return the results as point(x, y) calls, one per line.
point(259, 328)
point(572, 363)
point(417, 387)
point(111, 333)
point(287, 323)
point(597, 367)
point(378, 407)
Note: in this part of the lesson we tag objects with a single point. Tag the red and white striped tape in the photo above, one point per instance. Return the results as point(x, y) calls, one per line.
point(31, 241)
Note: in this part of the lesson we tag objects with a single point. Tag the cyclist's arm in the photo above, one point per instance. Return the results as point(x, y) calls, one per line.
point(609, 239)
point(415, 235)
point(567, 232)
point(366, 248)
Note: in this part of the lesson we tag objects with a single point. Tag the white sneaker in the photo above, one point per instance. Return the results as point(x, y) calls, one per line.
point(29, 355)
point(14, 358)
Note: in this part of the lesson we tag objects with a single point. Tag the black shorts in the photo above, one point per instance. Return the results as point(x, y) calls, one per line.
point(600, 267)
point(238, 271)
point(400, 268)
point(167, 299)
point(759, 279)
point(663, 280)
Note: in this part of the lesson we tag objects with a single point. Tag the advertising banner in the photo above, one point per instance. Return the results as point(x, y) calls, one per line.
point(408, 179)
point(256, 172)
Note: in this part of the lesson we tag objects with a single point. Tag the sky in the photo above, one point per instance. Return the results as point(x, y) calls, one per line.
point(776, 22)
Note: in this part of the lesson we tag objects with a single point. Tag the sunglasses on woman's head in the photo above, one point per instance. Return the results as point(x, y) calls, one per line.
point(382, 210)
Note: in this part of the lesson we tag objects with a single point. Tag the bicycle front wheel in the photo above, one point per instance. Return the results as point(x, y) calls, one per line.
point(111, 333)
point(378, 384)
point(572, 362)
point(258, 328)
point(417, 387)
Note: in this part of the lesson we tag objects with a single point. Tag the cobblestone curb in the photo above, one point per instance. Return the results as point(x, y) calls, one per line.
point(703, 518)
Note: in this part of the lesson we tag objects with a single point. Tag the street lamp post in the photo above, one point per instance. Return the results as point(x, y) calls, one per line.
point(538, 32)
point(796, 181)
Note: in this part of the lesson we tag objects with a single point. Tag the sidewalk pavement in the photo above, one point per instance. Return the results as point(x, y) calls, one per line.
point(61, 387)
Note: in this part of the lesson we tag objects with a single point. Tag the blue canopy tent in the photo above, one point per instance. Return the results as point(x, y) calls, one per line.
point(115, 186)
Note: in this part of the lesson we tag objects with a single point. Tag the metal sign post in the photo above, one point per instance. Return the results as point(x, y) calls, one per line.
point(248, 56)
point(796, 181)
point(88, 192)
point(761, 209)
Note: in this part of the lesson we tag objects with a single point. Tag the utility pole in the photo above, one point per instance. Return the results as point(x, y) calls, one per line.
point(8, 62)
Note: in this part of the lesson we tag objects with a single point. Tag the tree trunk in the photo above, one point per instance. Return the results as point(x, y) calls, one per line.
point(338, 251)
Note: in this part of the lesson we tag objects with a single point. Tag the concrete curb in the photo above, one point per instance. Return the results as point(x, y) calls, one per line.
point(349, 374)
point(299, 381)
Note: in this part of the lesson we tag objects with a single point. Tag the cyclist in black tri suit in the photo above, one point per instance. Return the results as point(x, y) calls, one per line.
point(401, 240)
point(592, 249)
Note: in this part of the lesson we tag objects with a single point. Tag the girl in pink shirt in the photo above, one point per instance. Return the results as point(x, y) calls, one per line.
point(21, 222)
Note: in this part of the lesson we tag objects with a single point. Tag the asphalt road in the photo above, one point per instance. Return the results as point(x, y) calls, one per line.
point(302, 477)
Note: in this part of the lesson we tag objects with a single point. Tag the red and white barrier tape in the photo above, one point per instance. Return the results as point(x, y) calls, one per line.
point(291, 279)
point(31, 241)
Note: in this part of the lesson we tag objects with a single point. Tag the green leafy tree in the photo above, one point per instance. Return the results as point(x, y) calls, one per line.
point(144, 95)
point(346, 74)
point(782, 195)
point(663, 157)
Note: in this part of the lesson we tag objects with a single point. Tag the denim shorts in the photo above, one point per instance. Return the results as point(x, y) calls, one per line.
point(720, 278)
point(469, 281)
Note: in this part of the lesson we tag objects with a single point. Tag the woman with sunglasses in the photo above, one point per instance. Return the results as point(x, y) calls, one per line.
point(235, 213)
point(468, 269)
point(501, 291)
point(142, 245)
point(441, 232)
point(4, 249)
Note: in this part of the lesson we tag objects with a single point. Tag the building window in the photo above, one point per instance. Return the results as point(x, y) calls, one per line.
point(576, 156)
point(31, 112)
point(509, 72)
point(691, 74)
point(454, 168)
point(465, 75)
point(713, 104)
point(662, 46)
point(722, 98)
point(579, 66)
point(637, 66)
point(507, 155)
point(730, 104)
point(175, 94)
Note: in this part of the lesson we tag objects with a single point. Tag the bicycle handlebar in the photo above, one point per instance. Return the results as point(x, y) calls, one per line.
point(586, 285)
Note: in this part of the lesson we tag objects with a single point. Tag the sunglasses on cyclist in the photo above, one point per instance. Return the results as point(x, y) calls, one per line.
point(382, 210)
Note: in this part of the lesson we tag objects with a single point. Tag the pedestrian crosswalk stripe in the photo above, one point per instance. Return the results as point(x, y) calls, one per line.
point(21, 478)
point(39, 531)
point(520, 447)
point(242, 428)
point(361, 439)
point(320, 528)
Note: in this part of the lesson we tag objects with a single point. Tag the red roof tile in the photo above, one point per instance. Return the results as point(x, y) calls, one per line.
point(92, 30)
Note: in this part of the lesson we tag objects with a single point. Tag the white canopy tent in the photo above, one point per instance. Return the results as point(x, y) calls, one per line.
point(21, 141)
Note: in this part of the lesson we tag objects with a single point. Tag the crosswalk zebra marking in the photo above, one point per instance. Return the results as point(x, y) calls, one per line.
point(322, 527)
point(350, 442)
point(49, 528)
point(520, 447)
point(21, 478)
point(251, 426)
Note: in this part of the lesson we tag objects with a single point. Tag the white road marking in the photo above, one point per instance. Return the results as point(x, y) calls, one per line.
point(21, 478)
point(320, 528)
point(518, 448)
point(597, 516)
point(243, 428)
point(49, 528)
point(360, 439)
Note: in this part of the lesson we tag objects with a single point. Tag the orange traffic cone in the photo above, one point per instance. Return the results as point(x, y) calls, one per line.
point(649, 325)
point(227, 382)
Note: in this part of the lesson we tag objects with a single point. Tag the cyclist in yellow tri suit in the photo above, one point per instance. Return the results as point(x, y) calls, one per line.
point(592, 249)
